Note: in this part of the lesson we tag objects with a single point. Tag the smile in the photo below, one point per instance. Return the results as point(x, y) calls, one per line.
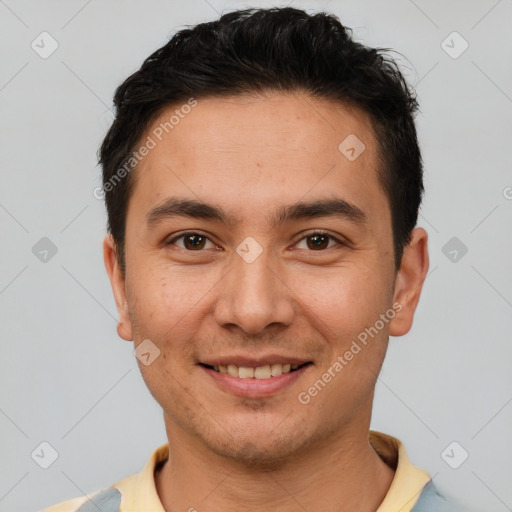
point(255, 381)
point(259, 372)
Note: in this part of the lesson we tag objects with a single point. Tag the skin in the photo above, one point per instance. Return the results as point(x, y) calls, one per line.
point(250, 155)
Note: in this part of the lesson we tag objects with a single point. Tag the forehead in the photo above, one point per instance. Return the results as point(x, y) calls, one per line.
point(248, 151)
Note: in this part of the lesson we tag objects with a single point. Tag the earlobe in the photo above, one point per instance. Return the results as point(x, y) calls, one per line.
point(409, 281)
point(123, 332)
point(117, 281)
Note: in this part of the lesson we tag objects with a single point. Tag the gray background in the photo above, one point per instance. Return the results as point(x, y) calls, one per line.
point(65, 376)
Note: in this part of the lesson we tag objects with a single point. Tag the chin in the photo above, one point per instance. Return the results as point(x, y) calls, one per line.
point(263, 450)
point(255, 456)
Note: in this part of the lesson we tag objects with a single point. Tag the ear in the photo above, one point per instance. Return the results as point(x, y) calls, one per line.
point(409, 282)
point(117, 281)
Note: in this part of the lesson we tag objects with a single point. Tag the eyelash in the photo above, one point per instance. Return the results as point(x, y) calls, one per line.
point(307, 235)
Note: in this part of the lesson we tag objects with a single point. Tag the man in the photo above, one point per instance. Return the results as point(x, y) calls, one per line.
point(262, 180)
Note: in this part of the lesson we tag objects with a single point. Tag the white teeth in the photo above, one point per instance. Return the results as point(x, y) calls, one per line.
point(245, 373)
point(276, 370)
point(260, 372)
point(233, 370)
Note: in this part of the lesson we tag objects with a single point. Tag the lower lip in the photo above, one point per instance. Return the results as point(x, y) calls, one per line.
point(255, 388)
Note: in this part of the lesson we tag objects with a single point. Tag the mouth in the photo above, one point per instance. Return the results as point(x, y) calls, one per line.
point(267, 371)
point(262, 381)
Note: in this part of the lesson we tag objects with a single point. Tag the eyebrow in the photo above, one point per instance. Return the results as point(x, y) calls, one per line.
point(194, 209)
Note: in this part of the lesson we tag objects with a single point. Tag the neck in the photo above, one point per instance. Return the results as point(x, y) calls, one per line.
point(337, 475)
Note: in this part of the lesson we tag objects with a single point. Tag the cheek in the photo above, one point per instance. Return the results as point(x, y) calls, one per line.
point(163, 299)
point(167, 308)
point(345, 308)
point(344, 300)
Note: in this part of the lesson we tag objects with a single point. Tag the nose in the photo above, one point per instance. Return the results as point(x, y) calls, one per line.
point(254, 296)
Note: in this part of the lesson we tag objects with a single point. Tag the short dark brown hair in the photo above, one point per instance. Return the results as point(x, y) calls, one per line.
point(276, 49)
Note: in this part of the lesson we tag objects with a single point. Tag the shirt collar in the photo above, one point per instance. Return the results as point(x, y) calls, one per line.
point(139, 490)
point(408, 481)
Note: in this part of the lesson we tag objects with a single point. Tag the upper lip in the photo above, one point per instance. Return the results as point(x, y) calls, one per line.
point(252, 361)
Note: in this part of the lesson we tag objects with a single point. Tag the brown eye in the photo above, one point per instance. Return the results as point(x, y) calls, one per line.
point(194, 241)
point(191, 241)
point(318, 241)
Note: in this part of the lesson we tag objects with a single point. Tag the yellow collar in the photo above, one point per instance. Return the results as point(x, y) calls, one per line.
point(139, 490)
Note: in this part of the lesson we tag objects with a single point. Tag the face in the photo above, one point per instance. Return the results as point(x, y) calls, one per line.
point(254, 241)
